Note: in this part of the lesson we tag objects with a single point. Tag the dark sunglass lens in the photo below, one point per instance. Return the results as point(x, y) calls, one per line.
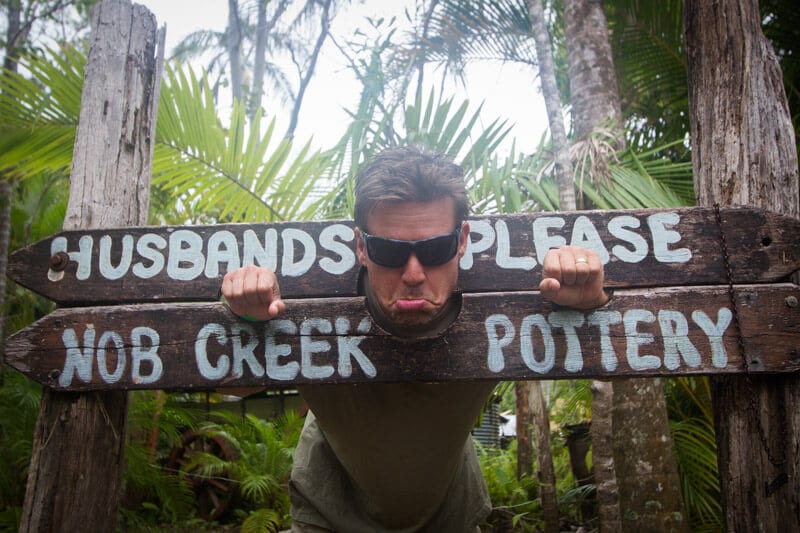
point(387, 253)
point(438, 250)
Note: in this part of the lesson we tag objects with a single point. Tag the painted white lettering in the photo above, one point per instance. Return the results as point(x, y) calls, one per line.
point(185, 246)
point(585, 234)
point(636, 339)
point(347, 346)
point(715, 332)
point(77, 361)
point(663, 237)
point(569, 321)
point(328, 240)
point(255, 253)
point(308, 347)
point(542, 240)
point(245, 353)
point(485, 230)
point(272, 352)
point(675, 332)
point(145, 352)
point(208, 370)
point(494, 358)
point(526, 344)
point(617, 227)
point(107, 270)
point(503, 258)
point(102, 362)
point(290, 267)
point(604, 319)
point(146, 247)
point(83, 256)
point(222, 248)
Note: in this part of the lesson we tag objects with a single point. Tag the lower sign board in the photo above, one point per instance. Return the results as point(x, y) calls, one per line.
point(497, 336)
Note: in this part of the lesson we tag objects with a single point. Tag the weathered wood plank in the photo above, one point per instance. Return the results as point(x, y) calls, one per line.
point(78, 448)
point(509, 336)
point(641, 248)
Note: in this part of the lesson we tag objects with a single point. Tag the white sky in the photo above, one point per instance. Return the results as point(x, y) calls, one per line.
point(506, 91)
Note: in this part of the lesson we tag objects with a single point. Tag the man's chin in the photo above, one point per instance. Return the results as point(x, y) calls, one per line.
point(411, 318)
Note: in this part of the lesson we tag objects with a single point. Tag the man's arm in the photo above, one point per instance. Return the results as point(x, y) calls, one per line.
point(573, 277)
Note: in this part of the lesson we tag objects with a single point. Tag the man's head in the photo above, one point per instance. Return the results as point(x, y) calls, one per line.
point(409, 174)
point(410, 211)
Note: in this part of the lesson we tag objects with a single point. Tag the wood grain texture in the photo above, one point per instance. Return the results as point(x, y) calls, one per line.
point(509, 336)
point(315, 259)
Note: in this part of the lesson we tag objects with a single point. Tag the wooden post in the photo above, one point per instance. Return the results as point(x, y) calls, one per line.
point(744, 153)
point(78, 451)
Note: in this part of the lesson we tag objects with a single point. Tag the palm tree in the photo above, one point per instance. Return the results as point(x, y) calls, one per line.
point(246, 53)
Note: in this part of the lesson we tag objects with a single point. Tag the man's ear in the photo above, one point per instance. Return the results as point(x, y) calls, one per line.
point(361, 251)
point(462, 244)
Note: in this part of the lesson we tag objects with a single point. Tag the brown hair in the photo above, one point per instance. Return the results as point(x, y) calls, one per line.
point(409, 174)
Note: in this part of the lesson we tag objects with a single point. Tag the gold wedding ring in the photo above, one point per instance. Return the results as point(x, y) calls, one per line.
point(581, 260)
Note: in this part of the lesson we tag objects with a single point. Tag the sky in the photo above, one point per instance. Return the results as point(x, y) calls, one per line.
point(506, 91)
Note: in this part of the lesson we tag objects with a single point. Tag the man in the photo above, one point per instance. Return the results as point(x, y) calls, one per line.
point(399, 457)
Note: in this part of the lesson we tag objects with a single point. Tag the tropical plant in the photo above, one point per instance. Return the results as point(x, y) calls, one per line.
point(258, 38)
point(228, 173)
point(260, 465)
point(515, 506)
point(19, 405)
point(153, 494)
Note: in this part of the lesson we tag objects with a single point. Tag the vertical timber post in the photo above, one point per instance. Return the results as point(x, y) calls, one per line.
point(74, 480)
point(744, 152)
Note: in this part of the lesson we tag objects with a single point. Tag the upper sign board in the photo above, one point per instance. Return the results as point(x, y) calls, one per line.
point(640, 248)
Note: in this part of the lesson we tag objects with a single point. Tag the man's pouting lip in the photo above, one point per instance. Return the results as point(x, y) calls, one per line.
point(411, 305)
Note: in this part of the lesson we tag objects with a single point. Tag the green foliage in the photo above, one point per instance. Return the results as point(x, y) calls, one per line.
point(262, 521)
point(19, 405)
point(515, 503)
point(39, 114)
point(692, 424)
point(234, 173)
point(261, 464)
point(155, 424)
point(647, 45)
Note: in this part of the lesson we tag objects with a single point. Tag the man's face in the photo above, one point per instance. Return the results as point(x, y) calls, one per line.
point(412, 294)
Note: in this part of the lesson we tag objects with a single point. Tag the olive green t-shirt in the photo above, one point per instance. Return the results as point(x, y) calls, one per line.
point(390, 457)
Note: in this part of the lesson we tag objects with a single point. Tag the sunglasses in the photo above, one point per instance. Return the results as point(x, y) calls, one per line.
point(393, 253)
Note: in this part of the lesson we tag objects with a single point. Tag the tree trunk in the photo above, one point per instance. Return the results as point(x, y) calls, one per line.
point(566, 197)
point(524, 442)
point(603, 457)
point(308, 71)
point(6, 197)
point(644, 460)
point(234, 44)
point(74, 480)
point(547, 473)
point(259, 62)
point(744, 152)
point(13, 35)
point(592, 77)
point(555, 117)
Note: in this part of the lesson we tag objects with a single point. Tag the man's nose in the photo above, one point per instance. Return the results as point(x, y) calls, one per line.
point(413, 271)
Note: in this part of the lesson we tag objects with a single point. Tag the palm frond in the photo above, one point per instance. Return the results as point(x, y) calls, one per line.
point(39, 114)
point(695, 451)
point(235, 173)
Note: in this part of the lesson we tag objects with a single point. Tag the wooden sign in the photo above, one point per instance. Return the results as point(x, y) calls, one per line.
point(497, 336)
point(640, 248)
point(674, 318)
